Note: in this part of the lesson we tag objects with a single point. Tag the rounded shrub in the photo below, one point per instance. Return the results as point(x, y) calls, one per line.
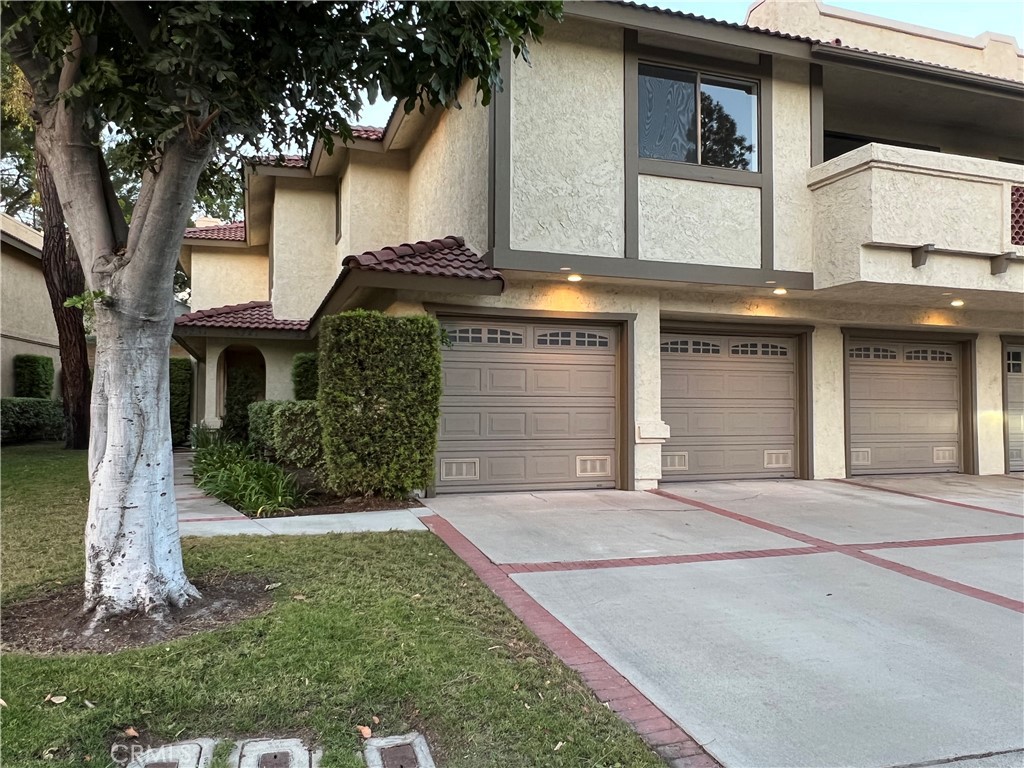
point(304, 375)
point(33, 376)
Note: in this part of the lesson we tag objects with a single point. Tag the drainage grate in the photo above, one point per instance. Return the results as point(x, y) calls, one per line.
point(275, 760)
point(162, 765)
point(402, 756)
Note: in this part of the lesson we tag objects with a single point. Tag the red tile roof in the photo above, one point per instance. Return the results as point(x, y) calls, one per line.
point(368, 132)
point(233, 231)
point(445, 257)
point(257, 315)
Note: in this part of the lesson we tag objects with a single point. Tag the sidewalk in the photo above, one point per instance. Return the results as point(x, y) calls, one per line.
point(203, 515)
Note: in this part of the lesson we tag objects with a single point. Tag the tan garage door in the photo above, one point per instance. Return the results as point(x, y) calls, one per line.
point(527, 406)
point(730, 403)
point(904, 407)
point(1015, 406)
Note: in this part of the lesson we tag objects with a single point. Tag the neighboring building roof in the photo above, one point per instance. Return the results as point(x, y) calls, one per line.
point(709, 20)
point(368, 132)
point(21, 236)
point(256, 315)
point(234, 231)
point(445, 257)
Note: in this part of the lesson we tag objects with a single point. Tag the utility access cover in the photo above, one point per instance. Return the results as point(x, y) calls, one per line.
point(403, 756)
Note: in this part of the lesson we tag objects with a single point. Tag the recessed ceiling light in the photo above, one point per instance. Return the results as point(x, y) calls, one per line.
point(956, 303)
point(780, 291)
point(565, 269)
point(574, 278)
point(948, 293)
point(770, 282)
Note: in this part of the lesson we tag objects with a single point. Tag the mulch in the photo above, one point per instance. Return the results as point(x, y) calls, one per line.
point(53, 623)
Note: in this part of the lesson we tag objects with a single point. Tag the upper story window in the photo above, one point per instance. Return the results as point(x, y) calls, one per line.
point(691, 117)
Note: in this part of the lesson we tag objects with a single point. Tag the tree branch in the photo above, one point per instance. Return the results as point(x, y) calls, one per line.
point(118, 225)
point(21, 46)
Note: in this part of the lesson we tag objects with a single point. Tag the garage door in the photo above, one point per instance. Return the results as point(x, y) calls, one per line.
point(904, 407)
point(730, 403)
point(1015, 406)
point(527, 406)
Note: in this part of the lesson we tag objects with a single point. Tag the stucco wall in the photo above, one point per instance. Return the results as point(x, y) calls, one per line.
point(448, 176)
point(699, 223)
point(567, 143)
point(222, 276)
point(828, 409)
point(375, 200)
point(988, 382)
point(25, 316)
point(304, 257)
point(994, 55)
point(890, 196)
point(791, 146)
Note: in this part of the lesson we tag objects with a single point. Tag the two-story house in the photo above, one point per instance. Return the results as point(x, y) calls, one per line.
point(671, 248)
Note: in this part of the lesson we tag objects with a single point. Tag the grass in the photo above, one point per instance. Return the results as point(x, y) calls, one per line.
point(393, 626)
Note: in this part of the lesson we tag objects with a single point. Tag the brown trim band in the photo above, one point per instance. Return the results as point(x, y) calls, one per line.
point(817, 83)
point(23, 340)
point(643, 269)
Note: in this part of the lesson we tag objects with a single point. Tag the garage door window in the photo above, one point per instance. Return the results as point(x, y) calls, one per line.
point(1014, 361)
point(872, 353)
point(928, 355)
point(476, 335)
point(762, 349)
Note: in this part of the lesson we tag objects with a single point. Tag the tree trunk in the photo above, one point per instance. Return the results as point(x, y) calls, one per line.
point(64, 278)
point(133, 551)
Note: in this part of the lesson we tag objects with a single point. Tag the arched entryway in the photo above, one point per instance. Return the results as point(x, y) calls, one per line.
point(241, 380)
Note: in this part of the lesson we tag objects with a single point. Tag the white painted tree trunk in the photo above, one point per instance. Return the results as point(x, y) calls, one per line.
point(133, 552)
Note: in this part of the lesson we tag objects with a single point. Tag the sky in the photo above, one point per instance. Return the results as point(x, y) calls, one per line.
point(964, 17)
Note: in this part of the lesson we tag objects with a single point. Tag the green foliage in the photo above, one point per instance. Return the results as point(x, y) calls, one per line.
point(304, 375)
point(231, 472)
point(379, 396)
point(297, 438)
point(244, 386)
point(23, 419)
point(17, 143)
point(203, 436)
point(261, 425)
point(33, 376)
point(181, 399)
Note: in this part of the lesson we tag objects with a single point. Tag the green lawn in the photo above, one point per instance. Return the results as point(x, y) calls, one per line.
point(394, 625)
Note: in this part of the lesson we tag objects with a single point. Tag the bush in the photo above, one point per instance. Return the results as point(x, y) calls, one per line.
point(297, 438)
point(244, 385)
point(30, 418)
point(33, 376)
point(181, 399)
point(379, 396)
point(304, 375)
point(229, 472)
point(261, 425)
point(203, 436)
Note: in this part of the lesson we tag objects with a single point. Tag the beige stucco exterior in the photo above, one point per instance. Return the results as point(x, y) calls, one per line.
point(222, 276)
point(791, 160)
point(303, 259)
point(568, 178)
point(375, 203)
point(26, 318)
point(448, 176)
point(694, 222)
point(988, 53)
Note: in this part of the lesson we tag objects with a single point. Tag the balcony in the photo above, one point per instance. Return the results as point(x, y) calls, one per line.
point(897, 216)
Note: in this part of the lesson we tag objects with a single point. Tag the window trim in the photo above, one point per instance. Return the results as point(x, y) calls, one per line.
point(666, 72)
point(760, 73)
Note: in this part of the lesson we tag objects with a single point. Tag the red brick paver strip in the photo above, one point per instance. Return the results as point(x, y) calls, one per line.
point(855, 552)
point(661, 733)
point(936, 499)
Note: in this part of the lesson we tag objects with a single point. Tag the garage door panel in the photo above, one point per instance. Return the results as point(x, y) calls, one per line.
point(1013, 362)
point(730, 413)
point(904, 410)
point(527, 406)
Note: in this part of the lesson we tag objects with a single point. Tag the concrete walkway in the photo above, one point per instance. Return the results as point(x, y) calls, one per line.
point(203, 515)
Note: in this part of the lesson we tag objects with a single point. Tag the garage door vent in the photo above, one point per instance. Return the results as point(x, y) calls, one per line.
point(593, 466)
point(778, 459)
point(860, 457)
point(944, 455)
point(460, 469)
point(1016, 454)
point(679, 460)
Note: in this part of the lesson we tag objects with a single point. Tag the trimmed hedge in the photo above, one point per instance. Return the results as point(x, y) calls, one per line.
point(181, 399)
point(261, 425)
point(23, 419)
point(244, 385)
point(297, 438)
point(379, 395)
point(304, 375)
point(33, 376)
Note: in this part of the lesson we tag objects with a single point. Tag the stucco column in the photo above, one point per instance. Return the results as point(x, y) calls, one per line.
point(650, 430)
point(828, 399)
point(209, 393)
point(988, 383)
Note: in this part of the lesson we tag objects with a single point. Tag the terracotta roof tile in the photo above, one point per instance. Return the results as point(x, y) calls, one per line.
point(257, 315)
point(234, 231)
point(444, 257)
point(368, 132)
point(281, 161)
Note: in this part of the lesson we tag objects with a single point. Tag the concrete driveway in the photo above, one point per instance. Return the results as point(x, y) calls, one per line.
point(791, 623)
